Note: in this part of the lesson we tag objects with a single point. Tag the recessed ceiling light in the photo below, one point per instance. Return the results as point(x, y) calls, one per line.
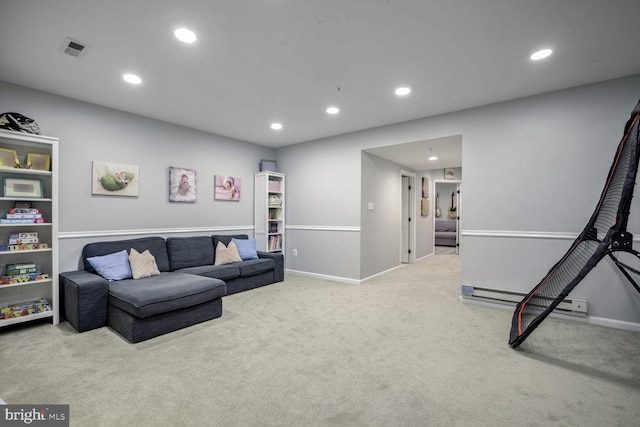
point(333, 110)
point(276, 126)
point(540, 54)
point(132, 78)
point(185, 35)
point(402, 91)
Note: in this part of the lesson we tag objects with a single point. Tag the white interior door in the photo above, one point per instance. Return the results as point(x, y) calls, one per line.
point(458, 209)
point(406, 219)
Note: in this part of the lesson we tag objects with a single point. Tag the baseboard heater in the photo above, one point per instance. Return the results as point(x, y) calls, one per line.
point(567, 306)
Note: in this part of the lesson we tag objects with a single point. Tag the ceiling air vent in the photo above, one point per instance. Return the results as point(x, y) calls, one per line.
point(74, 48)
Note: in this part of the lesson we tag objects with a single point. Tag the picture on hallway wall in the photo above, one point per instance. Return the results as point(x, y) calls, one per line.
point(449, 173)
point(227, 187)
point(114, 179)
point(425, 187)
point(424, 201)
point(182, 185)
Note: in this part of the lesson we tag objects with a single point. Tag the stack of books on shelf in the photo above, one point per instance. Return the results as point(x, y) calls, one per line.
point(24, 308)
point(274, 213)
point(275, 242)
point(23, 216)
point(21, 273)
point(23, 242)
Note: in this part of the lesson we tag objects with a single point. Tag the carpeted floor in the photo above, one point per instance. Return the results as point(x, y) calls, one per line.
point(401, 350)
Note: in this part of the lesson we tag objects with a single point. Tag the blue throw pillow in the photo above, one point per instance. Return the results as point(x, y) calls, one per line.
point(112, 267)
point(246, 248)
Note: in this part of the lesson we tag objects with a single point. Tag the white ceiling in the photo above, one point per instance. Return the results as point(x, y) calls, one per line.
point(259, 61)
point(415, 155)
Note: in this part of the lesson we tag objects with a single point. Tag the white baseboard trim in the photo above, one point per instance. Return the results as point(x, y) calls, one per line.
point(425, 257)
point(347, 280)
point(366, 279)
point(339, 278)
point(324, 276)
point(592, 320)
point(150, 231)
point(613, 323)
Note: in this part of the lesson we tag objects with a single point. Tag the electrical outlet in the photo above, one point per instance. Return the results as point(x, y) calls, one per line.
point(295, 252)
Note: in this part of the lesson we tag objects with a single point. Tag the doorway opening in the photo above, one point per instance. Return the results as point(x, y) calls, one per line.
point(446, 225)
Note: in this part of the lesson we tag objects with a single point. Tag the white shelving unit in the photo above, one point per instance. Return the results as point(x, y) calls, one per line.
point(269, 211)
point(45, 259)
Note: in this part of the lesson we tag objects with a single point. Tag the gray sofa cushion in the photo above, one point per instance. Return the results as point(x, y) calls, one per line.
point(155, 245)
point(166, 292)
point(222, 272)
point(255, 266)
point(189, 251)
point(445, 225)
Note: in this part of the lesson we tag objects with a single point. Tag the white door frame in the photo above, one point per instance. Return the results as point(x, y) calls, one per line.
point(411, 225)
point(458, 183)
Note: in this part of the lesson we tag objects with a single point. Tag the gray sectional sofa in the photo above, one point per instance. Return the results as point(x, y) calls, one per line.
point(445, 232)
point(188, 289)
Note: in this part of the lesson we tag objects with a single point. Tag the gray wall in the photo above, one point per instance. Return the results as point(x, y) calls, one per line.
point(323, 208)
point(533, 171)
point(424, 224)
point(380, 228)
point(88, 132)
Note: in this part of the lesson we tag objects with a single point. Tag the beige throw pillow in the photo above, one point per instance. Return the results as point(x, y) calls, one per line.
point(142, 264)
point(227, 254)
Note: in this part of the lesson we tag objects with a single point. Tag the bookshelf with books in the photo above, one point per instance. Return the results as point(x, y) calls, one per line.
point(28, 228)
point(269, 211)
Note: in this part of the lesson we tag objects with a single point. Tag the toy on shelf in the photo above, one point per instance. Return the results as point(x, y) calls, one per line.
point(22, 278)
point(24, 309)
point(23, 242)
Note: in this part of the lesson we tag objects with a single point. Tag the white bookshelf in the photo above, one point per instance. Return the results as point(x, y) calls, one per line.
point(269, 211)
point(47, 203)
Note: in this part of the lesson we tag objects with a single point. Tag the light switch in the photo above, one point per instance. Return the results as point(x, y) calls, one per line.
point(370, 206)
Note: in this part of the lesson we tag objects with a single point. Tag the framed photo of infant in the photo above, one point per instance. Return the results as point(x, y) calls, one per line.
point(227, 187)
point(182, 185)
point(114, 179)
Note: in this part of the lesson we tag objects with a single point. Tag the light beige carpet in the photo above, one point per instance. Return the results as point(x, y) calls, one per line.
point(401, 350)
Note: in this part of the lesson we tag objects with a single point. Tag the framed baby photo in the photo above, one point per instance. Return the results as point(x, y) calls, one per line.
point(227, 187)
point(182, 185)
point(114, 179)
